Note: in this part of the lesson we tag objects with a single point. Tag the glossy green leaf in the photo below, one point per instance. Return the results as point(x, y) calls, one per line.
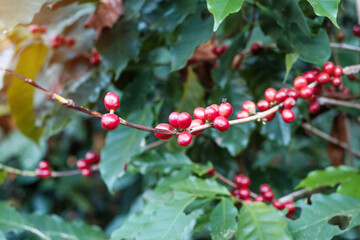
point(277, 130)
point(21, 95)
point(290, 60)
point(327, 9)
point(350, 186)
point(330, 176)
point(258, 221)
point(122, 144)
point(206, 188)
point(222, 8)
point(223, 220)
point(314, 219)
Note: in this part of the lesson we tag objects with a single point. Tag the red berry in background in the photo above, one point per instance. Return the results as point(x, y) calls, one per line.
point(44, 165)
point(277, 204)
point(110, 121)
point(92, 157)
point(313, 98)
point(215, 64)
point(288, 116)
point(242, 114)
point(225, 110)
point(249, 106)
point(338, 71)
point(329, 68)
point(210, 113)
point(336, 81)
point(215, 106)
point(221, 124)
point(242, 181)
point(289, 103)
point(270, 117)
point(293, 93)
point(300, 82)
point(86, 172)
point(345, 90)
point(256, 48)
point(269, 196)
point(199, 113)
point(164, 126)
point(42, 29)
point(111, 101)
point(244, 193)
point(173, 119)
point(351, 77)
point(264, 188)
point(95, 61)
point(314, 107)
point(356, 30)
point(184, 120)
point(235, 192)
point(309, 76)
point(280, 96)
point(306, 92)
point(196, 123)
point(270, 94)
point(81, 164)
point(290, 206)
point(33, 28)
point(191, 61)
point(317, 89)
point(259, 198)
point(218, 51)
point(316, 71)
point(211, 172)
point(331, 89)
point(43, 173)
point(184, 139)
point(248, 200)
point(323, 78)
point(69, 41)
point(340, 36)
point(263, 105)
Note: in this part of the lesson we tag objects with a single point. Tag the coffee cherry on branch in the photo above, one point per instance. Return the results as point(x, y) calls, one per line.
point(110, 121)
point(263, 105)
point(316, 71)
point(269, 196)
point(317, 89)
point(164, 126)
point(242, 114)
point(86, 172)
point(225, 110)
point(244, 193)
point(290, 206)
point(184, 139)
point(43, 173)
point(248, 200)
point(300, 82)
point(323, 78)
point(279, 205)
point(288, 116)
point(218, 51)
point(256, 48)
point(210, 172)
point(173, 119)
point(264, 188)
point(199, 113)
point(336, 81)
point(95, 58)
point(329, 68)
point(44, 165)
point(270, 94)
point(33, 28)
point(293, 93)
point(235, 192)
point(309, 76)
point(259, 198)
point(340, 36)
point(242, 181)
point(249, 106)
point(351, 77)
point(81, 164)
point(270, 117)
point(216, 107)
point(289, 103)
point(184, 120)
point(196, 123)
point(111, 101)
point(211, 113)
point(338, 71)
point(221, 124)
point(92, 157)
point(306, 92)
point(314, 107)
point(345, 90)
point(313, 98)
point(280, 96)
point(356, 30)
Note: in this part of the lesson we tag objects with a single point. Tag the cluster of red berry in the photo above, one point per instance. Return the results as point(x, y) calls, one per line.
point(217, 114)
point(43, 170)
point(111, 121)
point(266, 194)
point(35, 29)
point(85, 164)
point(60, 40)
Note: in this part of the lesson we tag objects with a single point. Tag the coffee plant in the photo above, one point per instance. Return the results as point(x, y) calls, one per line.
point(179, 119)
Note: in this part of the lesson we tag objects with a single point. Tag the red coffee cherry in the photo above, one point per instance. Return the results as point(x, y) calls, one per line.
point(218, 51)
point(338, 71)
point(82, 164)
point(331, 89)
point(92, 157)
point(215, 106)
point(43, 173)
point(323, 78)
point(184, 139)
point(242, 181)
point(280, 96)
point(86, 172)
point(340, 36)
point(351, 77)
point(199, 113)
point(288, 116)
point(221, 124)
point(300, 82)
point(269, 196)
point(244, 193)
point(70, 41)
point(259, 198)
point(196, 123)
point(329, 68)
point(314, 107)
point(242, 114)
point(210, 113)
point(316, 71)
point(293, 93)
point(95, 59)
point(289, 103)
point(345, 90)
point(173, 119)
point(309, 76)
point(184, 120)
point(43, 165)
point(313, 98)
point(42, 29)
point(249, 106)
point(306, 92)
point(225, 110)
point(270, 117)
point(211, 172)
point(164, 126)
point(236, 192)
point(270, 94)
point(317, 89)
point(290, 206)
point(336, 81)
point(356, 30)
point(263, 105)
point(33, 28)
point(248, 201)
point(279, 205)
point(110, 121)
point(264, 188)
point(111, 101)
point(256, 48)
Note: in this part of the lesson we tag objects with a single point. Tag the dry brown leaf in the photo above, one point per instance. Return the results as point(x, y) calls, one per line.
point(106, 14)
point(338, 131)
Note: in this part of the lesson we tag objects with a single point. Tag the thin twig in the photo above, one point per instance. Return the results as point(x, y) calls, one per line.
point(353, 69)
point(348, 140)
point(345, 46)
point(335, 102)
point(329, 138)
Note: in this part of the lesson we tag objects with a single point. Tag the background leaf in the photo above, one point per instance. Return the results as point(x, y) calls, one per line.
point(223, 220)
point(327, 9)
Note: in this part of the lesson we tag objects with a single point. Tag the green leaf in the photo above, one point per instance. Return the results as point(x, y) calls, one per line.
point(327, 9)
point(257, 221)
point(290, 60)
point(350, 186)
point(222, 8)
point(314, 220)
point(21, 95)
point(223, 220)
point(194, 32)
point(13, 13)
point(201, 169)
point(205, 188)
point(3, 175)
point(122, 144)
point(2, 237)
point(330, 176)
point(119, 45)
point(277, 130)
